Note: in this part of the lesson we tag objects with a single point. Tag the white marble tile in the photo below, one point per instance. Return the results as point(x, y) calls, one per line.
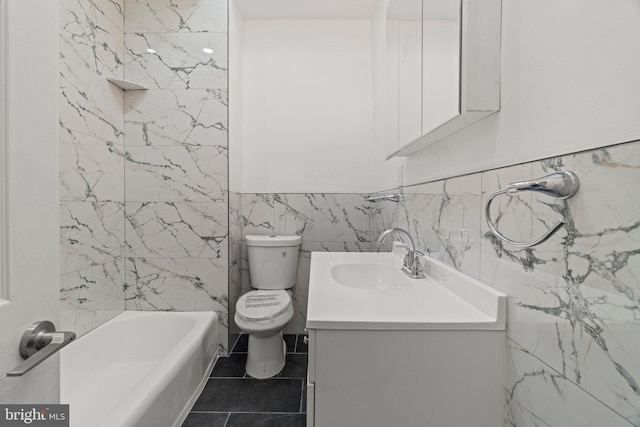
point(258, 212)
point(235, 254)
point(359, 215)
point(157, 229)
point(178, 61)
point(92, 35)
point(91, 169)
point(316, 217)
point(176, 117)
point(91, 233)
point(550, 398)
point(574, 299)
point(445, 225)
point(321, 217)
point(89, 104)
point(179, 284)
point(191, 16)
point(517, 415)
point(383, 214)
point(165, 174)
point(91, 296)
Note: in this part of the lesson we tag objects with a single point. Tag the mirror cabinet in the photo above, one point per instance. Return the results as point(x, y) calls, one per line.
point(442, 69)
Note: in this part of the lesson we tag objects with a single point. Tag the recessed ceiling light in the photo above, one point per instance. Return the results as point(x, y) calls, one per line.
point(151, 50)
point(207, 50)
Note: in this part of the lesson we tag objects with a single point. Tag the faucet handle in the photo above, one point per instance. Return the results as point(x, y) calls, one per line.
point(408, 257)
point(412, 265)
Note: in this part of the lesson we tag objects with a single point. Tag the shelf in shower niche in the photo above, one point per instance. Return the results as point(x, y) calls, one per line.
point(127, 84)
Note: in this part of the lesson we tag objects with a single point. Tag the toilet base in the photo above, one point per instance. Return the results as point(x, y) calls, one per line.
point(265, 356)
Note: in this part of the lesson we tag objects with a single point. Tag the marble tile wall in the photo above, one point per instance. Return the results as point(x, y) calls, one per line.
point(91, 163)
point(176, 168)
point(144, 194)
point(574, 301)
point(326, 222)
point(235, 259)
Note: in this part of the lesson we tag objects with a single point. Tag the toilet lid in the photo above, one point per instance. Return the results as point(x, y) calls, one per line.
point(263, 305)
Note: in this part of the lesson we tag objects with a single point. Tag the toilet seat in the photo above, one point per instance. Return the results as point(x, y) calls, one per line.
point(256, 306)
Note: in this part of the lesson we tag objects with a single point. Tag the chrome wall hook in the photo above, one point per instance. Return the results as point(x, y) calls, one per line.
point(395, 197)
point(562, 185)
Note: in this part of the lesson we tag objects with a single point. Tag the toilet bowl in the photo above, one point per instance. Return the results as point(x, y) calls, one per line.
point(264, 324)
point(263, 313)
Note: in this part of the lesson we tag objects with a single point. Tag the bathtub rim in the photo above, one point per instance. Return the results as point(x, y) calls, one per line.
point(183, 354)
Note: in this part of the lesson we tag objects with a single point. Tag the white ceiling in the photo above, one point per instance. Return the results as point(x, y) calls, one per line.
point(345, 9)
point(306, 9)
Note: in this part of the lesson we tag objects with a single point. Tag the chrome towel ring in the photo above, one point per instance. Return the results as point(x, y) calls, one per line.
point(562, 185)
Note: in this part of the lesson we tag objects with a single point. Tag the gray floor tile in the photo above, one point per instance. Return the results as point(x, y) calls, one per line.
point(241, 344)
point(232, 366)
point(195, 419)
point(295, 366)
point(250, 395)
point(267, 420)
point(290, 341)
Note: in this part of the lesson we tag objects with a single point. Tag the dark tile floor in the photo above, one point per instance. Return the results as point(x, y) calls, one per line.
point(231, 398)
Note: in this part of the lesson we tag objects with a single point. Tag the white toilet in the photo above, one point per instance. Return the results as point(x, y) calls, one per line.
point(263, 313)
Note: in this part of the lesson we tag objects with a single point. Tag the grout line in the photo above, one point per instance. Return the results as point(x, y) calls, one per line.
point(302, 397)
point(263, 412)
point(264, 380)
point(257, 379)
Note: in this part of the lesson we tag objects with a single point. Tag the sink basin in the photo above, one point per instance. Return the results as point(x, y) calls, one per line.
point(368, 291)
point(370, 276)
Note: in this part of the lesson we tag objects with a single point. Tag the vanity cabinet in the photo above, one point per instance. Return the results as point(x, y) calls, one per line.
point(442, 69)
point(387, 350)
point(381, 378)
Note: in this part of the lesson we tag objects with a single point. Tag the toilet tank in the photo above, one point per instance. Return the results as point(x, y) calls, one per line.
point(273, 261)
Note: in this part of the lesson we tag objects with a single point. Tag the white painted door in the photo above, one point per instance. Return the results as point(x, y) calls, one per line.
point(29, 265)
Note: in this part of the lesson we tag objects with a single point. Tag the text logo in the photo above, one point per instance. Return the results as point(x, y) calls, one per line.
point(34, 415)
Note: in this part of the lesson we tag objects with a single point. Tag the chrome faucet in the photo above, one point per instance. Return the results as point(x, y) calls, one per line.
point(411, 265)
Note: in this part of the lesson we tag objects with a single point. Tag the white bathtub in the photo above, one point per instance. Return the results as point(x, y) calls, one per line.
point(139, 369)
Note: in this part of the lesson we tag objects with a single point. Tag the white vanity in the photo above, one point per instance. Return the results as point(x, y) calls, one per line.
point(387, 350)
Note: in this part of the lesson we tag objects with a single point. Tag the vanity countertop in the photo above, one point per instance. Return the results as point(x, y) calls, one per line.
point(362, 291)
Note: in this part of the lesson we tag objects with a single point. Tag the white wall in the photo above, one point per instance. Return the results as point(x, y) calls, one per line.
point(307, 106)
point(235, 98)
point(570, 82)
